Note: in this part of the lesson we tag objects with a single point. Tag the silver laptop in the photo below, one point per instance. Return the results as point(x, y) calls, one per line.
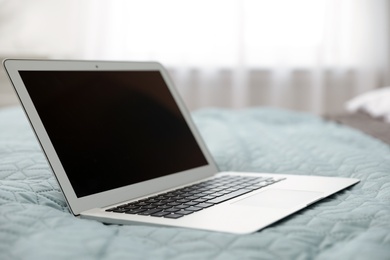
point(124, 150)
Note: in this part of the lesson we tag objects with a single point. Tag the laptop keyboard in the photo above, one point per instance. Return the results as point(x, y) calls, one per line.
point(184, 201)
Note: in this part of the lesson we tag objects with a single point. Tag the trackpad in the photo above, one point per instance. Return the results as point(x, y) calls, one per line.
point(275, 198)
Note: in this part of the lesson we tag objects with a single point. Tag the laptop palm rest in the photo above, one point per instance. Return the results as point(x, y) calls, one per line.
point(280, 198)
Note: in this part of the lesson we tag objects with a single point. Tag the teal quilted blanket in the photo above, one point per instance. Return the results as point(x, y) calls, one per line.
point(35, 222)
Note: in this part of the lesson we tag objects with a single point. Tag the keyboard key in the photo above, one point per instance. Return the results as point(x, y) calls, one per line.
point(184, 212)
point(200, 200)
point(183, 200)
point(204, 205)
point(148, 207)
point(142, 203)
point(182, 206)
point(228, 196)
point(193, 208)
point(160, 214)
point(120, 210)
point(167, 200)
point(193, 197)
point(152, 201)
point(191, 203)
point(172, 210)
point(131, 207)
point(161, 197)
point(135, 211)
point(164, 207)
point(209, 197)
point(173, 204)
point(174, 216)
point(149, 212)
point(158, 204)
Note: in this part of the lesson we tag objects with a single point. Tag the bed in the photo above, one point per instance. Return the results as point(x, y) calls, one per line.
point(35, 222)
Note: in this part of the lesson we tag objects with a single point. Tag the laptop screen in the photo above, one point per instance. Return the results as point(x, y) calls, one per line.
point(112, 128)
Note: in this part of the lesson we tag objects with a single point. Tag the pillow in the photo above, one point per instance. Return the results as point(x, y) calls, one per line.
point(376, 103)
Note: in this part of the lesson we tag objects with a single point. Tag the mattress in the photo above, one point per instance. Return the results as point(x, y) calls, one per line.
point(35, 222)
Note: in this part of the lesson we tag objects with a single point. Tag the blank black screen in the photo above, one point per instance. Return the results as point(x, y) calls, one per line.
point(112, 128)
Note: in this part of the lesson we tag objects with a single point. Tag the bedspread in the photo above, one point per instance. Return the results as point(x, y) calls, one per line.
point(35, 222)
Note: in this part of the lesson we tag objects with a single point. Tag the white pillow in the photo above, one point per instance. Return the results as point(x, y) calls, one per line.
point(375, 103)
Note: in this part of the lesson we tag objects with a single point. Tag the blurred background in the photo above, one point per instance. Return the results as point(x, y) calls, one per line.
point(305, 55)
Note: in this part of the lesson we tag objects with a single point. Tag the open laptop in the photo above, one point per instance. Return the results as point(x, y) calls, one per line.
point(124, 150)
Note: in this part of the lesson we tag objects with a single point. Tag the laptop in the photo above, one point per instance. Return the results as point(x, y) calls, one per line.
point(125, 150)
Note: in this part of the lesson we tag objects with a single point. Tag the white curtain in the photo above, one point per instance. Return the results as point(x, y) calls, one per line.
point(309, 55)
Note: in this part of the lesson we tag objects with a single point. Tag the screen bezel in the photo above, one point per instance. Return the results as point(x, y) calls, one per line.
point(114, 196)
